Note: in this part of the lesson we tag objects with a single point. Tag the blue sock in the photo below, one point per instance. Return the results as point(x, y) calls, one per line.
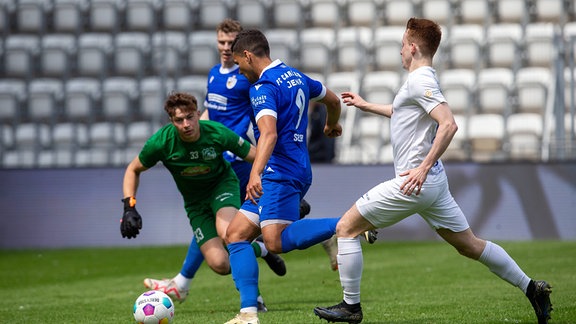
point(244, 272)
point(306, 232)
point(193, 260)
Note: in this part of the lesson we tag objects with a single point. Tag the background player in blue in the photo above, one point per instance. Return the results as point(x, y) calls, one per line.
point(227, 101)
point(281, 173)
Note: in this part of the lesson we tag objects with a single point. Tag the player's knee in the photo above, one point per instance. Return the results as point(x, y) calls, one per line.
point(273, 246)
point(345, 231)
point(221, 267)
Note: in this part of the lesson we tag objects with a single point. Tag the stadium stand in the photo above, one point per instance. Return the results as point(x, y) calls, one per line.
point(76, 74)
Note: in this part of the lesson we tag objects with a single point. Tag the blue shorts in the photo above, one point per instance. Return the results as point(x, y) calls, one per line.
point(279, 204)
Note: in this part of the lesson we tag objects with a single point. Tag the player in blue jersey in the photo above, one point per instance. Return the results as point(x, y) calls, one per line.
point(281, 173)
point(227, 101)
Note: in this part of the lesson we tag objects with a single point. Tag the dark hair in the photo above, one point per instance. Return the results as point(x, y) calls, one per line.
point(253, 41)
point(180, 100)
point(229, 26)
point(426, 33)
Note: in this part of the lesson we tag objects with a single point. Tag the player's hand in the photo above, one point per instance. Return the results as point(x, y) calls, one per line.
point(254, 188)
point(415, 178)
point(131, 222)
point(353, 99)
point(333, 131)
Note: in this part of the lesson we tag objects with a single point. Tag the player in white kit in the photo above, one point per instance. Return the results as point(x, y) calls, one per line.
point(422, 126)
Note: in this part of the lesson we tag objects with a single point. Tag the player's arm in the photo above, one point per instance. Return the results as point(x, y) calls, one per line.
point(444, 133)
point(264, 148)
point(353, 99)
point(332, 128)
point(131, 222)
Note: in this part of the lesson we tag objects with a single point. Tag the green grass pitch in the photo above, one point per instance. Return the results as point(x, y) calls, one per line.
point(403, 282)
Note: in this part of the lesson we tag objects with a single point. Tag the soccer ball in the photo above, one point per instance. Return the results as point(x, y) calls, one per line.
point(153, 307)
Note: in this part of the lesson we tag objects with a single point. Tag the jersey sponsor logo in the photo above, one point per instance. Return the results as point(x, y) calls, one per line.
point(209, 153)
point(298, 138)
point(258, 100)
point(195, 170)
point(231, 82)
point(198, 235)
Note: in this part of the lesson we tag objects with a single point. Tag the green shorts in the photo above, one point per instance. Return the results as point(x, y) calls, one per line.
point(202, 212)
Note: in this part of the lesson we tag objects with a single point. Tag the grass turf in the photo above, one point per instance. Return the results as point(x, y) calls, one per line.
point(403, 282)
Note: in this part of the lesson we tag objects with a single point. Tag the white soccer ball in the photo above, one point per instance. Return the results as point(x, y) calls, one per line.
point(153, 307)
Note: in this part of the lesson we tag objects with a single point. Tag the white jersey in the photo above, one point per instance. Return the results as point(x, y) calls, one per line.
point(412, 128)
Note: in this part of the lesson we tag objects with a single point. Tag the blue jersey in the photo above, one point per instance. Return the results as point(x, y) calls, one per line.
point(284, 93)
point(228, 99)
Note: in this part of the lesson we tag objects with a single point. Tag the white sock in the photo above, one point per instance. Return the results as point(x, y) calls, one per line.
point(182, 282)
point(264, 251)
point(350, 264)
point(501, 264)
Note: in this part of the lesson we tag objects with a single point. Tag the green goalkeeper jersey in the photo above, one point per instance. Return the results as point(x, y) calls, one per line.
point(199, 166)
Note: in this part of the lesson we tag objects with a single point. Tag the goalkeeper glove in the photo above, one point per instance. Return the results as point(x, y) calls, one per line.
point(131, 221)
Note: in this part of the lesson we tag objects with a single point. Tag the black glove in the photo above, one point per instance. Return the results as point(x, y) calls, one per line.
point(304, 208)
point(131, 222)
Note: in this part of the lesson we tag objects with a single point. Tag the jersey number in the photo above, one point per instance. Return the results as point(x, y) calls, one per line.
point(301, 104)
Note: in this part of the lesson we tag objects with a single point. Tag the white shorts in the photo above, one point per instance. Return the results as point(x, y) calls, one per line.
point(385, 204)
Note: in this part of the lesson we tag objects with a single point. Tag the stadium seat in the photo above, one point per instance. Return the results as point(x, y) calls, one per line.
point(317, 50)
point(136, 136)
point(195, 85)
point(353, 48)
point(525, 136)
point(254, 13)
point(57, 55)
point(45, 100)
point(441, 11)
point(380, 86)
point(212, 12)
point(119, 99)
point(512, 11)
point(12, 99)
point(67, 139)
point(142, 15)
point(325, 13)
point(94, 55)
point(152, 92)
point(465, 47)
point(180, 15)
point(20, 56)
point(105, 138)
point(486, 133)
point(283, 45)
point(387, 45)
point(494, 90)
point(132, 54)
point(532, 85)
point(503, 43)
point(105, 16)
point(32, 16)
point(397, 12)
point(169, 49)
point(475, 12)
point(69, 16)
point(204, 53)
point(553, 11)
point(289, 14)
point(539, 44)
point(458, 86)
point(80, 101)
point(29, 139)
point(364, 13)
